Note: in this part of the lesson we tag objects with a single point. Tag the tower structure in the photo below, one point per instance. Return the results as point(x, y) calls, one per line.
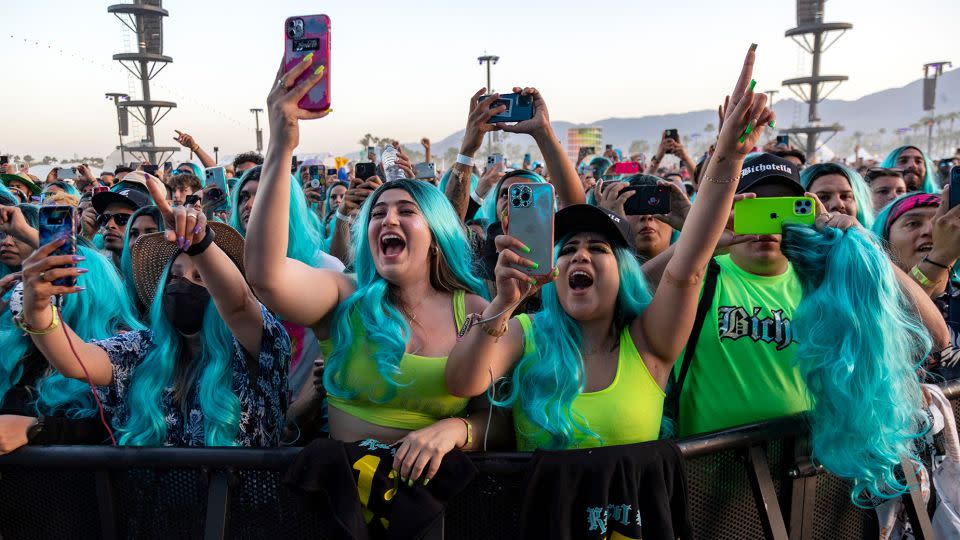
point(144, 18)
point(813, 36)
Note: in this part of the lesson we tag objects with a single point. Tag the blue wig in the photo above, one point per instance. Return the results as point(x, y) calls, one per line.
point(546, 383)
point(69, 189)
point(146, 425)
point(861, 193)
point(126, 259)
point(374, 305)
point(930, 184)
point(305, 233)
point(7, 198)
point(488, 210)
point(97, 313)
point(330, 220)
point(863, 343)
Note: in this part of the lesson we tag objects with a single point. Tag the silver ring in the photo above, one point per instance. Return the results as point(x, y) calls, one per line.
point(43, 276)
point(281, 84)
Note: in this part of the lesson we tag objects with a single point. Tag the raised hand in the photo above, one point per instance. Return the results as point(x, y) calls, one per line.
point(508, 278)
point(283, 109)
point(539, 124)
point(185, 226)
point(357, 194)
point(403, 160)
point(13, 223)
point(745, 114)
point(478, 121)
point(831, 219)
point(185, 140)
point(614, 197)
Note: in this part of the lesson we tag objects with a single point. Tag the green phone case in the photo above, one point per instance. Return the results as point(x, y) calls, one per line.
point(766, 215)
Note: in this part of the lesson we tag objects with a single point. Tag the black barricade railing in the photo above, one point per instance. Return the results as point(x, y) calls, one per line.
point(754, 481)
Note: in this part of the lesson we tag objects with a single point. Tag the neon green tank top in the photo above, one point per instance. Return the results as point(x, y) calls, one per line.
point(421, 397)
point(742, 369)
point(626, 412)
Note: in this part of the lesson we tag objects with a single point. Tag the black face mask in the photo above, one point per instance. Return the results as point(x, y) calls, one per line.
point(184, 304)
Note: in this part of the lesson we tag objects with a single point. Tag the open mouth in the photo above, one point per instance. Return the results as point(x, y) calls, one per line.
point(925, 247)
point(580, 281)
point(392, 245)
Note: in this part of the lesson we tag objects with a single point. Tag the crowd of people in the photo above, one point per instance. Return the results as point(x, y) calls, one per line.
point(297, 305)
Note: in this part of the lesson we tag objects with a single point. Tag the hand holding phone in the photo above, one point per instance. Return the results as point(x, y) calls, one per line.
point(518, 107)
point(58, 222)
point(767, 215)
point(954, 187)
point(647, 200)
point(309, 35)
point(530, 211)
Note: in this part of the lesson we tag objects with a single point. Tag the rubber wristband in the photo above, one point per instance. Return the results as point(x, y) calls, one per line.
point(919, 276)
point(465, 160)
point(208, 239)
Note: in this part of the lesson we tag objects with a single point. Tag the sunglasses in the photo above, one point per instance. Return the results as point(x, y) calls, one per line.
point(120, 219)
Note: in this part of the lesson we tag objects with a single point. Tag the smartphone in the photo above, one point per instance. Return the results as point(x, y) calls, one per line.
point(647, 200)
point(626, 167)
point(331, 172)
point(4, 160)
point(167, 167)
point(766, 215)
point(365, 170)
point(954, 187)
point(530, 212)
point(526, 159)
point(305, 35)
point(671, 134)
point(58, 222)
point(66, 173)
point(609, 147)
point(314, 172)
point(151, 169)
point(518, 108)
point(371, 150)
point(218, 177)
point(424, 171)
point(293, 164)
point(783, 139)
point(494, 159)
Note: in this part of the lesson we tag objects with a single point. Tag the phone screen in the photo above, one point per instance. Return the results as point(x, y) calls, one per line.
point(58, 222)
point(783, 139)
point(150, 169)
point(954, 187)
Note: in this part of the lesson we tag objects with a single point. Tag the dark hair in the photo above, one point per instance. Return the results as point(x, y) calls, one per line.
point(877, 172)
point(122, 169)
point(247, 157)
point(184, 180)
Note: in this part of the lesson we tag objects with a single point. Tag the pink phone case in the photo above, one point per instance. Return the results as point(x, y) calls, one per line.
point(531, 209)
point(303, 35)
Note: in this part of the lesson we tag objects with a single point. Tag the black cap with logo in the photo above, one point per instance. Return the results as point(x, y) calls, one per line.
point(579, 218)
point(769, 169)
point(129, 196)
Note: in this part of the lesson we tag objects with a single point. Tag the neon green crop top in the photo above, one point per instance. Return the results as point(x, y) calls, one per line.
point(421, 397)
point(626, 412)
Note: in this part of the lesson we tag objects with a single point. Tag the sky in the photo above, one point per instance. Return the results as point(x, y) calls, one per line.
point(407, 69)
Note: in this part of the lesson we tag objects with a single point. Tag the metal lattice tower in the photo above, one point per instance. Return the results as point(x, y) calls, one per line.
point(144, 18)
point(811, 33)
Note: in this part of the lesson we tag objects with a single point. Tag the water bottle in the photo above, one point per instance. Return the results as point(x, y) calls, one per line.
point(388, 160)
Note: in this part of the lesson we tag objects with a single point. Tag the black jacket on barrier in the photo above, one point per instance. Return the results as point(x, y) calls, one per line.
point(637, 490)
point(330, 475)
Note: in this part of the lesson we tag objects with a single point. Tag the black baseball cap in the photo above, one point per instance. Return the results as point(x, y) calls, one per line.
point(129, 196)
point(769, 169)
point(579, 218)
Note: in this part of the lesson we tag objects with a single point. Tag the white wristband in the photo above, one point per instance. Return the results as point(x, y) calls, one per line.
point(476, 198)
point(339, 215)
point(465, 160)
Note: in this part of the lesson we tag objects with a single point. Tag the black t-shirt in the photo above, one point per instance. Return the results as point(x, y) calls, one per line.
point(637, 491)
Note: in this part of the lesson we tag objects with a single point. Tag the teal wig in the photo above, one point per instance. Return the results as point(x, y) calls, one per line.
point(69, 189)
point(929, 184)
point(197, 171)
point(7, 198)
point(374, 304)
point(146, 425)
point(488, 210)
point(305, 233)
point(330, 222)
point(546, 382)
point(96, 313)
point(861, 193)
point(882, 229)
point(126, 259)
point(862, 344)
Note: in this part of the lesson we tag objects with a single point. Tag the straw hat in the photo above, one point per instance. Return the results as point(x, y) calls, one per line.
point(152, 253)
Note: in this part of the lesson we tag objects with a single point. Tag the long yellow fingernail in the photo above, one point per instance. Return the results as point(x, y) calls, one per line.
point(319, 70)
point(308, 58)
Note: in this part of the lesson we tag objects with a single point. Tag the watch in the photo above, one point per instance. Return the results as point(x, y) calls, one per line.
point(35, 429)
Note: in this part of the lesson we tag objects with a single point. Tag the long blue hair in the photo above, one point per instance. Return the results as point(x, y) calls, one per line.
point(305, 233)
point(374, 304)
point(862, 344)
point(126, 259)
point(7, 198)
point(97, 313)
point(861, 193)
point(488, 210)
point(146, 425)
point(546, 382)
point(930, 184)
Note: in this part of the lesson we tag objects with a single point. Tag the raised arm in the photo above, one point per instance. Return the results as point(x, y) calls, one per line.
point(298, 292)
point(39, 272)
point(478, 124)
point(563, 175)
point(665, 324)
point(186, 140)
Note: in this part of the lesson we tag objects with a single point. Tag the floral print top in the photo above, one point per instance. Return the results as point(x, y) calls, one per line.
point(263, 398)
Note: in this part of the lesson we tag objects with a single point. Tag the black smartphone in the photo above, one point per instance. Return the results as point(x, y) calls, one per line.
point(151, 169)
point(647, 200)
point(331, 172)
point(590, 150)
point(293, 164)
point(4, 160)
point(954, 187)
point(518, 108)
point(783, 139)
point(609, 147)
point(672, 134)
point(364, 170)
point(58, 222)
